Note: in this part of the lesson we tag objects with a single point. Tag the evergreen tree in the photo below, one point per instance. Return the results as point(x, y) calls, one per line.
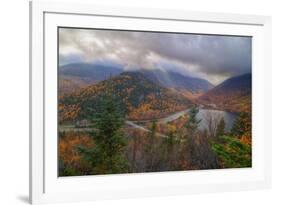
point(199, 152)
point(192, 123)
point(242, 124)
point(190, 146)
point(233, 153)
point(107, 155)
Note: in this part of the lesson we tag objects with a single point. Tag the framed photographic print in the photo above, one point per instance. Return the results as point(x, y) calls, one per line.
point(129, 102)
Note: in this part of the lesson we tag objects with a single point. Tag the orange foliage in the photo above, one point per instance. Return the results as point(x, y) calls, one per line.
point(67, 147)
point(246, 139)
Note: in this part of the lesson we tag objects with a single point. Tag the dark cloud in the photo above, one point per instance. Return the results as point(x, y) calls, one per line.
point(211, 57)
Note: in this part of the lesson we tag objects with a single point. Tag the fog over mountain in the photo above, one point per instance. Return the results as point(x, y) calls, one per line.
point(211, 57)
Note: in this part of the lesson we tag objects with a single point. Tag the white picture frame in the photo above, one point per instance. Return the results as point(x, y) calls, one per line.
point(46, 187)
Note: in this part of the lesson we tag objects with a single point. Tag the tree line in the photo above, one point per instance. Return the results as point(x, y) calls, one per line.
point(113, 151)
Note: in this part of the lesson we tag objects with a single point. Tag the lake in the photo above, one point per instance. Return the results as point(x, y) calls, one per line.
point(207, 115)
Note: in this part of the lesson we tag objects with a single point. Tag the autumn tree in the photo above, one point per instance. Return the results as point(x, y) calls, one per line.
point(70, 163)
point(212, 121)
point(135, 150)
point(150, 148)
point(107, 156)
point(220, 128)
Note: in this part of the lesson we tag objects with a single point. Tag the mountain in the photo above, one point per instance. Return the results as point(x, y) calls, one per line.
point(170, 79)
point(90, 72)
point(234, 94)
point(237, 83)
point(78, 75)
point(139, 97)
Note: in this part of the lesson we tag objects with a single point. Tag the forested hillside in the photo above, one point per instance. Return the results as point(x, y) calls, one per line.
point(139, 98)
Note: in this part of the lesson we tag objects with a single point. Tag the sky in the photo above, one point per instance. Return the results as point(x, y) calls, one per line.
point(211, 57)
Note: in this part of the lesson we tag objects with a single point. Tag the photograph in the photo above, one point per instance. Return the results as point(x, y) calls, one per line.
point(133, 101)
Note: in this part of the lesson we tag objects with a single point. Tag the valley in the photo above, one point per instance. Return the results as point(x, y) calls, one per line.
point(154, 109)
point(203, 115)
point(148, 94)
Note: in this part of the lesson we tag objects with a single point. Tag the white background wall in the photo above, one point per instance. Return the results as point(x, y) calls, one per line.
point(14, 100)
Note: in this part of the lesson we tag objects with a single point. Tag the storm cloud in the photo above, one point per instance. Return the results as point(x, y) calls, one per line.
point(211, 57)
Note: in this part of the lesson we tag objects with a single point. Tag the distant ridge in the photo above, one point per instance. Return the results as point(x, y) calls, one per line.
point(90, 72)
point(234, 94)
point(171, 79)
point(78, 75)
